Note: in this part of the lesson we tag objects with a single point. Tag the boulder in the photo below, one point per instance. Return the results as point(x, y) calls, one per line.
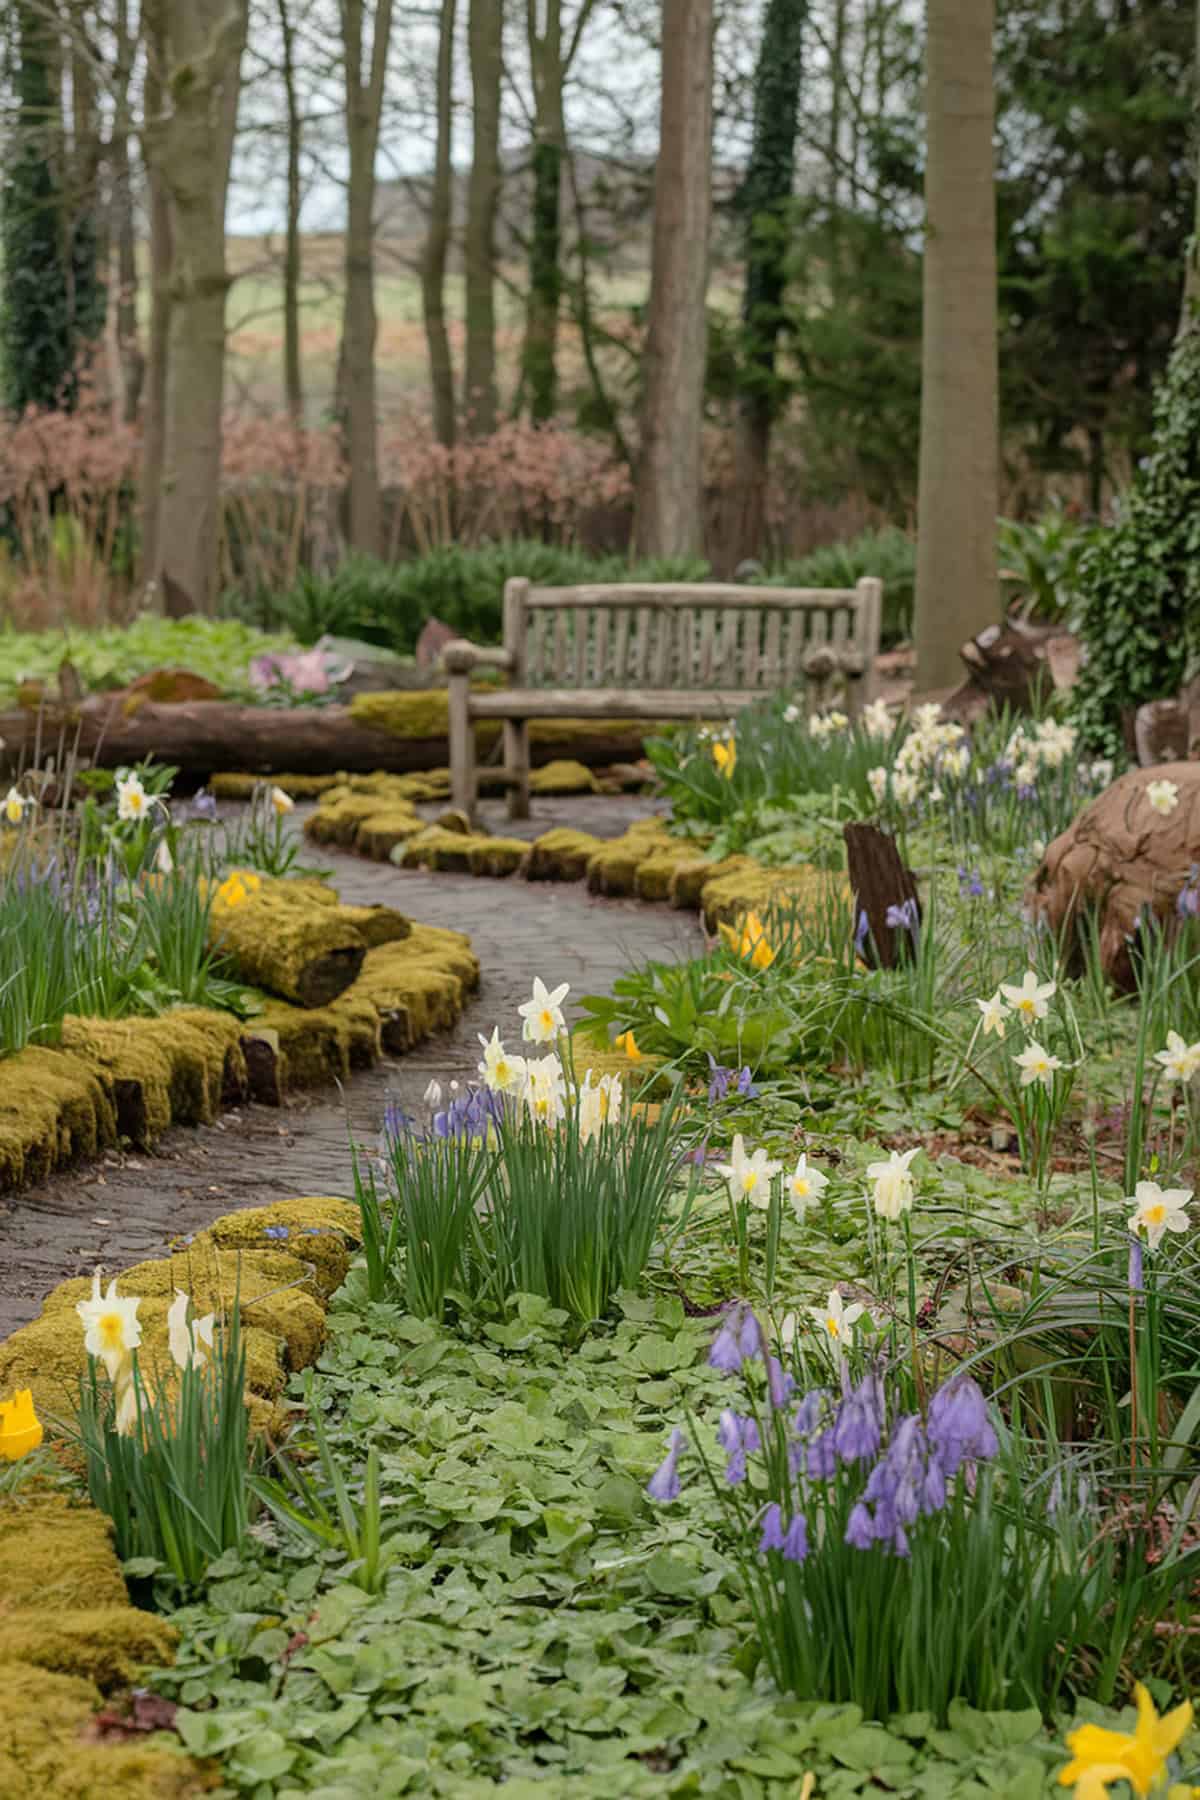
point(1121, 857)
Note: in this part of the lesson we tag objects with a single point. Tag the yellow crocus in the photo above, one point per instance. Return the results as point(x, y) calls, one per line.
point(627, 1044)
point(1099, 1756)
point(751, 942)
point(20, 1427)
point(724, 755)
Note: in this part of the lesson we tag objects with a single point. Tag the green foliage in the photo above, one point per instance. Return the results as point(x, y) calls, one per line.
point(1040, 561)
point(1140, 580)
point(176, 1487)
point(218, 649)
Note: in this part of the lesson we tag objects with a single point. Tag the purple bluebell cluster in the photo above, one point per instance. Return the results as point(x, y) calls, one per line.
point(860, 931)
point(723, 1081)
point(739, 1340)
point(970, 883)
point(903, 917)
point(1137, 1278)
point(469, 1114)
point(738, 1438)
point(1187, 903)
point(791, 1540)
point(203, 805)
point(664, 1483)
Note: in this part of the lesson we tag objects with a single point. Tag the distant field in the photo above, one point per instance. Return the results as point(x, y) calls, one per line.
point(255, 367)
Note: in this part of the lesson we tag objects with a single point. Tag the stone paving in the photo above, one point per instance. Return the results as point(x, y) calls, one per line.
point(124, 1208)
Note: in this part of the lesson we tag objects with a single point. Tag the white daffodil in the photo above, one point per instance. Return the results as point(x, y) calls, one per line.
point(599, 1104)
point(545, 1089)
point(1159, 1210)
point(838, 721)
point(15, 804)
point(994, 1014)
point(805, 1184)
point(282, 802)
point(164, 862)
point(749, 1176)
point(819, 727)
point(110, 1325)
point(1179, 1061)
point(503, 1073)
point(836, 1319)
point(543, 1014)
point(132, 799)
point(791, 715)
point(126, 1418)
point(893, 1193)
point(877, 780)
point(927, 717)
point(1037, 1064)
point(876, 719)
point(1163, 796)
point(433, 1094)
point(1055, 742)
point(957, 761)
point(1028, 1000)
point(905, 787)
point(184, 1340)
point(1101, 771)
point(1025, 773)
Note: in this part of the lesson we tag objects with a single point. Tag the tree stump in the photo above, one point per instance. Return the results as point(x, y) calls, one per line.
point(880, 882)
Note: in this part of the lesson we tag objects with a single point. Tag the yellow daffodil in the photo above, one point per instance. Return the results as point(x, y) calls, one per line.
point(724, 755)
point(20, 1427)
point(626, 1043)
point(1099, 1756)
point(751, 942)
point(14, 806)
point(237, 886)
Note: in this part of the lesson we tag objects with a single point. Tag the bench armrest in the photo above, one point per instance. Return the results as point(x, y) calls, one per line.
point(460, 657)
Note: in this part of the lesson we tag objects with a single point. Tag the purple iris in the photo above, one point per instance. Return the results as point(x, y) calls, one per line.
point(663, 1485)
point(469, 1115)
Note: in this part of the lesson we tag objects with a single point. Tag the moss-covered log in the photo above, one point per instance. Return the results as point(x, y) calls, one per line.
point(376, 732)
point(283, 942)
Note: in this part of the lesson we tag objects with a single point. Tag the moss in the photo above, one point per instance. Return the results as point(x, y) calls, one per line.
point(337, 819)
point(612, 869)
point(425, 714)
point(104, 1644)
point(730, 897)
point(43, 1755)
point(275, 1289)
point(378, 835)
point(419, 986)
point(327, 1229)
point(314, 1045)
point(177, 1068)
point(653, 877)
point(563, 777)
point(561, 855)
point(690, 877)
point(497, 856)
point(54, 1106)
point(281, 941)
point(238, 785)
point(376, 924)
point(54, 1554)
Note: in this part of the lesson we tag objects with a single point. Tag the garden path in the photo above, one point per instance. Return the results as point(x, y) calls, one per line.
point(125, 1207)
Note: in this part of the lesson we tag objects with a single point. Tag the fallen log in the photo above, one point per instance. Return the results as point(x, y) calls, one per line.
point(1016, 665)
point(206, 736)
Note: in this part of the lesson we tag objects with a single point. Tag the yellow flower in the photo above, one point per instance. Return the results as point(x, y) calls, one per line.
point(237, 886)
point(724, 755)
point(627, 1044)
point(14, 806)
point(752, 942)
point(20, 1427)
point(281, 801)
point(1099, 1756)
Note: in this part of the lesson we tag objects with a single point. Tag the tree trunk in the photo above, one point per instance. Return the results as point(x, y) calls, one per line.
point(437, 240)
point(957, 593)
point(485, 36)
point(35, 315)
point(293, 381)
point(765, 198)
point(669, 513)
point(154, 422)
point(193, 145)
point(540, 368)
point(364, 103)
point(130, 361)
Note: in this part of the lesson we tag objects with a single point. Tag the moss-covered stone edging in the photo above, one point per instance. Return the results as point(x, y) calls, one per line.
point(645, 862)
point(69, 1635)
point(110, 1080)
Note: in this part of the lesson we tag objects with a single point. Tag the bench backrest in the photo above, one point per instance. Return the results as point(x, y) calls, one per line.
point(688, 635)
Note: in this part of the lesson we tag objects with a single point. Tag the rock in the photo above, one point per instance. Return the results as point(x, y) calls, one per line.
point(432, 641)
point(171, 687)
point(1121, 857)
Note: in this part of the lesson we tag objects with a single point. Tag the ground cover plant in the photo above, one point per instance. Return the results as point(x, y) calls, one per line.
point(220, 650)
point(804, 1401)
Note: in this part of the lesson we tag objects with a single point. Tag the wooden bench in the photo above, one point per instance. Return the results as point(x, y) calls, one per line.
point(689, 651)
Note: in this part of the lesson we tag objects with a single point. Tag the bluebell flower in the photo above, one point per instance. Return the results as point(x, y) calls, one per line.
point(772, 1529)
point(808, 1414)
point(745, 1085)
point(959, 1427)
point(720, 1080)
point(858, 1428)
point(739, 1339)
point(903, 917)
point(860, 931)
point(664, 1483)
point(750, 1337)
point(275, 1231)
point(780, 1385)
point(795, 1540)
point(738, 1437)
point(204, 805)
point(860, 1529)
point(1136, 1274)
point(821, 1458)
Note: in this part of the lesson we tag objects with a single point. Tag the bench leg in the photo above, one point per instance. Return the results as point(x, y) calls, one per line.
point(516, 762)
point(462, 745)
